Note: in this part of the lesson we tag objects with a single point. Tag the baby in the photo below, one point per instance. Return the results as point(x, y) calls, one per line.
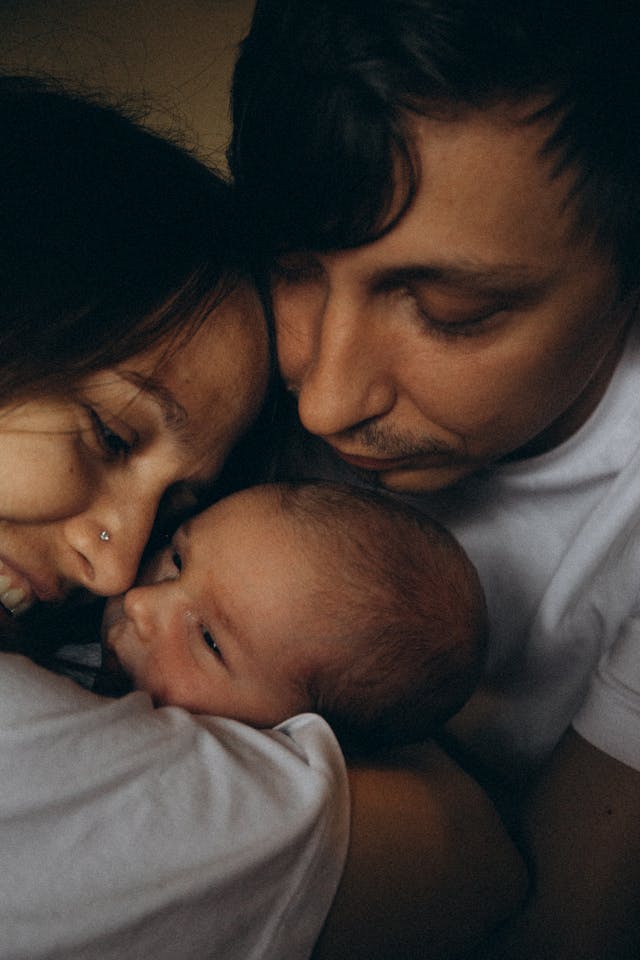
point(295, 597)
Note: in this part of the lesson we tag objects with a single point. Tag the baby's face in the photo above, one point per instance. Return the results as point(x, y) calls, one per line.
point(222, 620)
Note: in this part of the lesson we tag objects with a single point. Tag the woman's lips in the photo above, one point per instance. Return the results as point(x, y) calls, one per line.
point(19, 591)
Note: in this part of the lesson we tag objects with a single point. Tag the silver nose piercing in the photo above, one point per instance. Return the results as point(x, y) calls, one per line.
point(104, 535)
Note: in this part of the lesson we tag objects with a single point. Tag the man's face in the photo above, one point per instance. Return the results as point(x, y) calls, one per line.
point(479, 326)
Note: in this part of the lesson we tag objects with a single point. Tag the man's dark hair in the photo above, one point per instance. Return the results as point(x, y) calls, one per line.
point(324, 91)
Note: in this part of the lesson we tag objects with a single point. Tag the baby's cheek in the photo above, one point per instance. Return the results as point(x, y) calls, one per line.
point(164, 669)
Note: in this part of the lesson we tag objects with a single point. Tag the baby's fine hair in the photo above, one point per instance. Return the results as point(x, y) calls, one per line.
point(408, 609)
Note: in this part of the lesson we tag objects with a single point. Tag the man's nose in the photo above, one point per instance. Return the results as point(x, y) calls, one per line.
point(347, 378)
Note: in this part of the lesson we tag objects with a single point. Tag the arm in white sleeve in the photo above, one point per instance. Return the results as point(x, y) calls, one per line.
point(610, 715)
point(129, 831)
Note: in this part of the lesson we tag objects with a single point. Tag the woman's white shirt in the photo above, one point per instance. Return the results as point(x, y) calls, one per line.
point(129, 831)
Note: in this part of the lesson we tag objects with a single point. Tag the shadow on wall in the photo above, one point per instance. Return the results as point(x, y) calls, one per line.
point(178, 54)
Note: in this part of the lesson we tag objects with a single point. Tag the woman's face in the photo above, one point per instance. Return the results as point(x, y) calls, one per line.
point(155, 426)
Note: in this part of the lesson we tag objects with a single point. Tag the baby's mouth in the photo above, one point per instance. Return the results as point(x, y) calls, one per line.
point(16, 595)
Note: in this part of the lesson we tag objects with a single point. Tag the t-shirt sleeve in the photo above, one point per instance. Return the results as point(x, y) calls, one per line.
point(610, 715)
point(129, 831)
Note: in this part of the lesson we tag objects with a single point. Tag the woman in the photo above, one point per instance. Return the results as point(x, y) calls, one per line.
point(132, 357)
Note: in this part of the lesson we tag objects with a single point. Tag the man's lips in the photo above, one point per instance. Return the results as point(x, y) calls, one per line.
point(376, 464)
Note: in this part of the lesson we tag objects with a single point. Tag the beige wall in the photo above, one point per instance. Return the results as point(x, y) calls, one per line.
point(179, 52)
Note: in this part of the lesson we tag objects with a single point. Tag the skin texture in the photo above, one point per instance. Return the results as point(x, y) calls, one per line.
point(580, 823)
point(430, 869)
point(477, 327)
point(105, 457)
point(224, 621)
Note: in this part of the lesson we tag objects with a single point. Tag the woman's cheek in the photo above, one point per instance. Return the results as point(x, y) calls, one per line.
point(42, 478)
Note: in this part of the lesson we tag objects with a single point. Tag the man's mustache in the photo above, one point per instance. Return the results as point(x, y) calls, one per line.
point(382, 440)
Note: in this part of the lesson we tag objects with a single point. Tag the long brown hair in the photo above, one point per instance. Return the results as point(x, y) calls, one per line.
point(112, 238)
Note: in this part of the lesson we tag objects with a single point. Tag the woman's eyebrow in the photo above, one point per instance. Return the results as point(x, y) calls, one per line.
point(174, 414)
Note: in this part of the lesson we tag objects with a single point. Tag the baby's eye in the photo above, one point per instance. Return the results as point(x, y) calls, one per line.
point(211, 643)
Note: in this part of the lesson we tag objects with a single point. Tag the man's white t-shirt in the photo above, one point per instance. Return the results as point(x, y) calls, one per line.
point(556, 541)
point(133, 832)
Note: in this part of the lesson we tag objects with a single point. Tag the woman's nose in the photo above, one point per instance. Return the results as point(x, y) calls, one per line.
point(108, 540)
point(346, 376)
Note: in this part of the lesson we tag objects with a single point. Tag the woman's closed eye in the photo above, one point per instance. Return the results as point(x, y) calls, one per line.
point(112, 444)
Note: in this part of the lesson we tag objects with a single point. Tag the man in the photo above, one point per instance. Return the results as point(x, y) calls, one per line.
point(450, 201)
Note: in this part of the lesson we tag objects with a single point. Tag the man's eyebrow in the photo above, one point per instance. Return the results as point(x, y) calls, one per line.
point(174, 414)
point(476, 277)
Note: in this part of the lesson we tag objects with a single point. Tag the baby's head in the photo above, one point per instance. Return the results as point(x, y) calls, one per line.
point(400, 608)
point(292, 597)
